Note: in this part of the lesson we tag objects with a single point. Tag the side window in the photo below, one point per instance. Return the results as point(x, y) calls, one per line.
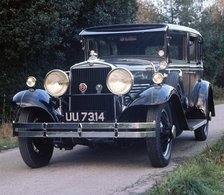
point(199, 53)
point(177, 46)
point(193, 48)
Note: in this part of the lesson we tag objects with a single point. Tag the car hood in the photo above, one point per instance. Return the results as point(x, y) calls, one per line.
point(133, 63)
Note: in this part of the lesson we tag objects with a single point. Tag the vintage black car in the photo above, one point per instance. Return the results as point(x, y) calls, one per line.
point(138, 82)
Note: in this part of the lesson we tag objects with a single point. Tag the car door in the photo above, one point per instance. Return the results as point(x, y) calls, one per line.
point(178, 44)
point(194, 59)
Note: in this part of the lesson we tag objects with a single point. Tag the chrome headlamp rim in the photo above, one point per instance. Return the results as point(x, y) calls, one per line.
point(31, 81)
point(163, 65)
point(157, 77)
point(56, 87)
point(129, 79)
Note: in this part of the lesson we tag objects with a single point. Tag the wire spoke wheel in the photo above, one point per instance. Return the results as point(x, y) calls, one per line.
point(159, 148)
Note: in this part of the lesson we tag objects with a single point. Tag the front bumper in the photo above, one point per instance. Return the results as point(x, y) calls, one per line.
point(85, 130)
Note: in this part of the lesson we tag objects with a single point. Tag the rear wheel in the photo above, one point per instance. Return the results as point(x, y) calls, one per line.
point(201, 133)
point(36, 152)
point(159, 148)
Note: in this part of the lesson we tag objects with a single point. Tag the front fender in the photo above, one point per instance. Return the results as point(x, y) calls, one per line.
point(35, 98)
point(154, 95)
point(157, 95)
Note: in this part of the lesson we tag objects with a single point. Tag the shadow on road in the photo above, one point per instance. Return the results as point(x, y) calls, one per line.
point(106, 154)
point(113, 155)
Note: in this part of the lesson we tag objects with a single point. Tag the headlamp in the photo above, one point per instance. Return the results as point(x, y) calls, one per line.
point(119, 81)
point(31, 81)
point(157, 78)
point(162, 65)
point(56, 82)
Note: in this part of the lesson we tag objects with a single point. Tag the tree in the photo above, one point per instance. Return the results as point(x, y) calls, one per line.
point(185, 12)
point(42, 31)
point(147, 12)
point(39, 35)
point(32, 29)
point(102, 12)
point(212, 30)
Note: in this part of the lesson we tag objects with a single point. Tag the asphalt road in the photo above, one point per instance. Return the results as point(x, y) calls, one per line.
point(84, 171)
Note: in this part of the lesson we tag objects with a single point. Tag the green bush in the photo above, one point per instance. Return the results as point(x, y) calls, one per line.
point(218, 92)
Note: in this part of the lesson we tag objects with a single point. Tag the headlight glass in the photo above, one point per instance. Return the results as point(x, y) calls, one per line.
point(31, 81)
point(162, 65)
point(119, 81)
point(56, 82)
point(157, 78)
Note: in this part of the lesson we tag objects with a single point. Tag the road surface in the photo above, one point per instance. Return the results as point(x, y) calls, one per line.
point(108, 171)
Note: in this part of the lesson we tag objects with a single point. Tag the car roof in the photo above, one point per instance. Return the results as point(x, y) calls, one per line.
point(134, 28)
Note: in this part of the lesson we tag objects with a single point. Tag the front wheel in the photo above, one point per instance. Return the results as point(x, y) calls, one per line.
point(159, 148)
point(36, 152)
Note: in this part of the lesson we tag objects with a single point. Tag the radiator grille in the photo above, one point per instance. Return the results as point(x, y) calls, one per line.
point(91, 101)
point(91, 77)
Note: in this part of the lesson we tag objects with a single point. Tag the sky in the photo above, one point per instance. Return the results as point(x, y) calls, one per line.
point(209, 3)
point(206, 2)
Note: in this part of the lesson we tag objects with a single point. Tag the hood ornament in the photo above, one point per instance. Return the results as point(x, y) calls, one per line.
point(92, 57)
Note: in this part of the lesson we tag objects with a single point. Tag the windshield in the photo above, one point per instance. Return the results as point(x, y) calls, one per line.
point(148, 44)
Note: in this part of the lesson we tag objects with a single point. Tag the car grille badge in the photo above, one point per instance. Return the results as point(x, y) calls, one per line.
point(82, 87)
point(99, 88)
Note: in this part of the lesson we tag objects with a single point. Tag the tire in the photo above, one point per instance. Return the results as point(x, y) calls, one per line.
point(36, 152)
point(159, 148)
point(201, 133)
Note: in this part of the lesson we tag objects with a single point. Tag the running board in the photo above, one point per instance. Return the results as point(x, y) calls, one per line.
point(194, 124)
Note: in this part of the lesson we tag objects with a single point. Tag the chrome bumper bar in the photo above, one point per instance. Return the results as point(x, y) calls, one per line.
point(85, 130)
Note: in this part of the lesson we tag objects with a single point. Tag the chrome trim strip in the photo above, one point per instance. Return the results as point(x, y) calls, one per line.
point(73, 126)
point(72, 134)
point(86, 32)
point(181, 66)
point(85, 130)
point(92, 64)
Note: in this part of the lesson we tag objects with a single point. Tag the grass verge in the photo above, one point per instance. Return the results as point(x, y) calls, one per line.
point(219, 101)
point(7, 141)
point(204, 174)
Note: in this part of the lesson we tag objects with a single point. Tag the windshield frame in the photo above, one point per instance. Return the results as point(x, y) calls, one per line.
point(139, 35)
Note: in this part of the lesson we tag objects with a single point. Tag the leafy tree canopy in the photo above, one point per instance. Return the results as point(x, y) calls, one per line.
point(38, 35)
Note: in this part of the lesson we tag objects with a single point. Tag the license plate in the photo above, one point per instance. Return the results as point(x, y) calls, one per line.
point(85, 116)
